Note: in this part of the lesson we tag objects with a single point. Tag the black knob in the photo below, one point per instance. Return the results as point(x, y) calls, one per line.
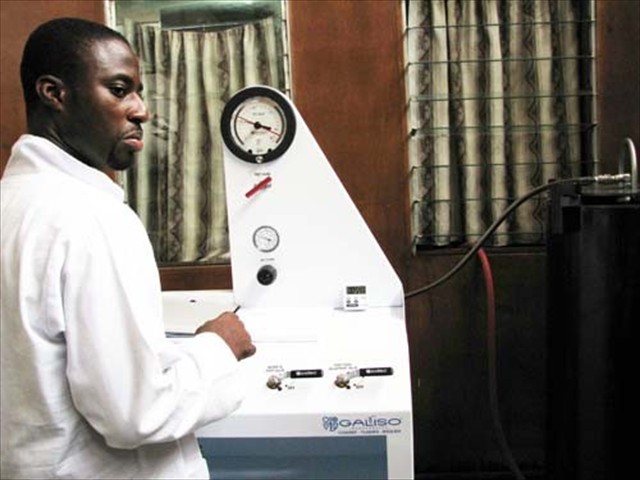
point(266, 275)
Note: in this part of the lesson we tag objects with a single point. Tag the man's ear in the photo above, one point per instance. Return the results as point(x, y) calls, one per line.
point(52, 91)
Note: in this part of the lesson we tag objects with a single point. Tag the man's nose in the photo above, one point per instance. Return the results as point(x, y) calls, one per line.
point(139, 111)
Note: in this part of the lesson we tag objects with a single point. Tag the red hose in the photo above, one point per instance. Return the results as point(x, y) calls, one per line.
point(491, 364)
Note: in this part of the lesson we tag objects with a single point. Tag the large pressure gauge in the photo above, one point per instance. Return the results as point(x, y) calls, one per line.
point(258, 124)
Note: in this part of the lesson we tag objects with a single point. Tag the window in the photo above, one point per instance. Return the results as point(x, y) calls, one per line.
point(501, 100)
point(194, 56)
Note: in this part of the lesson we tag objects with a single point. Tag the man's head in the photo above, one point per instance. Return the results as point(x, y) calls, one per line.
point(82, 87)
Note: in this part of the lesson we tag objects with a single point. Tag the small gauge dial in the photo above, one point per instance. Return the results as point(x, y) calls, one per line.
point(258, 124)
point(266, 238)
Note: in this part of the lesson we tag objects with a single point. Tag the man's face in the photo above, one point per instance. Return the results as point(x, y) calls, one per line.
point(104, 112)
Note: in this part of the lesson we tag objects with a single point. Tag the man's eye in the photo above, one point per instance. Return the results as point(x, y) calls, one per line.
point(118, 91)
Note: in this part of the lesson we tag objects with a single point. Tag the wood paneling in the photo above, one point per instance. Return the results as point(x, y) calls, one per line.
point(196, 277)
point(348, 83)
point(453, 426)
point(618, 78)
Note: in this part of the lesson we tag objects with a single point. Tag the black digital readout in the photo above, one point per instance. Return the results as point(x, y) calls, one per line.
point(357, 290)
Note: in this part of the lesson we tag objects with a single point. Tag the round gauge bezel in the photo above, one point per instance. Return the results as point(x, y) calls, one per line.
point(256, 241)
point(227, 124)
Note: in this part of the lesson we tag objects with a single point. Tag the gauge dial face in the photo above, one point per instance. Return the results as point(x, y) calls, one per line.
point(258, 124)
point(266, 238)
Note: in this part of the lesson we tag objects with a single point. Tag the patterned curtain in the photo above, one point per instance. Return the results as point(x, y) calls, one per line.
point(496, 108)
point(177, 186)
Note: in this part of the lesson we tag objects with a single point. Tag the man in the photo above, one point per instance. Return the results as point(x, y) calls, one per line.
point(91, 388)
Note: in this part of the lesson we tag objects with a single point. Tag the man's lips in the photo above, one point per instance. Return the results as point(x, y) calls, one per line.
point(134, 141)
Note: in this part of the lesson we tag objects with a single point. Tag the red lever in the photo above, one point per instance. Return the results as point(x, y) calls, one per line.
point(259, 186)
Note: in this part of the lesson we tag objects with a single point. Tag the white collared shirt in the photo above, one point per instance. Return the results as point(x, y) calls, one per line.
point(91, 388)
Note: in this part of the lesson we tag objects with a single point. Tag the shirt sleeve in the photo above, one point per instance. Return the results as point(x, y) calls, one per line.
point(132, 384)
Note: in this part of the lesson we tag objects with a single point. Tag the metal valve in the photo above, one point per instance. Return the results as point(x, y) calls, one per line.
point(343, 379)
point(274, 382)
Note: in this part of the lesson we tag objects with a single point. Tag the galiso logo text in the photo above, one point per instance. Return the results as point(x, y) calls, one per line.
point(371, 424)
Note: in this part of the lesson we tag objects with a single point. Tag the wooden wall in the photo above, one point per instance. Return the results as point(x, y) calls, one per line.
point(348, 84)
point(618, 77)
point(347, 68)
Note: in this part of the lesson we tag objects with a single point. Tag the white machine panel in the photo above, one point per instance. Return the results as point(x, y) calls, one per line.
point(327, 350)
point(329, 387)
point(323, 242)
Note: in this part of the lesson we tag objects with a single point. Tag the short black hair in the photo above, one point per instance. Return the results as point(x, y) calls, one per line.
point(57, 47)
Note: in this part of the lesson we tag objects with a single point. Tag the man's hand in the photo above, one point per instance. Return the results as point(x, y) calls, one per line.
point(231, 329)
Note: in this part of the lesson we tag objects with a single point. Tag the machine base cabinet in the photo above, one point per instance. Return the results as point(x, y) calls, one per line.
point(594, 293)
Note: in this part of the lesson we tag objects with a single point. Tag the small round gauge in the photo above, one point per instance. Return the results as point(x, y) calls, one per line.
point(266, 238)
point(258, 124)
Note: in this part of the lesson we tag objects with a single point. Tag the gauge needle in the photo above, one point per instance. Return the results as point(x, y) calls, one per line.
point(258, 126)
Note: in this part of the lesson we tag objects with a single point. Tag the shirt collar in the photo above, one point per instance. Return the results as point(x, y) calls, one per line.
point(32, 153)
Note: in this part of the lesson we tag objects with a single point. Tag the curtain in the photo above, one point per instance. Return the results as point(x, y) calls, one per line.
point(177, 185)
point(496, 108)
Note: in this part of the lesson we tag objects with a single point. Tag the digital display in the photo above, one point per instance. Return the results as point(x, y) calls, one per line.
point(357, 290)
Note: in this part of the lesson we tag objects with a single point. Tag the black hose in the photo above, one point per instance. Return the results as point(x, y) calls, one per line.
point(492, 228)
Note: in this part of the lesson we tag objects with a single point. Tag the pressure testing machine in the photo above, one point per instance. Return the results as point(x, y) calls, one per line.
point(330, 392)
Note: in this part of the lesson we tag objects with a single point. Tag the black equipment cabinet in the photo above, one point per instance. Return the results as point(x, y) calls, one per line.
point(594, 294)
